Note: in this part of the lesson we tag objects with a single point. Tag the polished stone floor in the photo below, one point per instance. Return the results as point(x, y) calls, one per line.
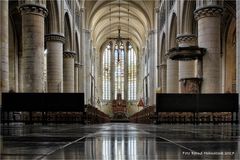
point(120, 141)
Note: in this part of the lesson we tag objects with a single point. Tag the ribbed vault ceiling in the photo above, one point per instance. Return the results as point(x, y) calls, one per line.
point(136, 20)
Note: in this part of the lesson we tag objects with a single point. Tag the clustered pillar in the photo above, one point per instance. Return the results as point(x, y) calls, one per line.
point(68, 71)
point(33, 46)
point(209, 22)
point(54, 44)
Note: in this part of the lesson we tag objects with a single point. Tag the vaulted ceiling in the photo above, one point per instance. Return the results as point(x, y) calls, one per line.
point(136, 20)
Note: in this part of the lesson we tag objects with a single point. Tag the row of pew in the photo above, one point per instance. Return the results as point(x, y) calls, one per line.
point(91, 115)
point(146, 115)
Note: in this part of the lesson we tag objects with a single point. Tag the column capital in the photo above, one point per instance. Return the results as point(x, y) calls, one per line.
point(69, 54)
point(163, 65)
point(151, 32)
point(157, 9)
point(77, 65)
point(33, 9)
point(55, 37)
point(208, 11)
point(86, 31)
point(187, 39)
point(82, 9)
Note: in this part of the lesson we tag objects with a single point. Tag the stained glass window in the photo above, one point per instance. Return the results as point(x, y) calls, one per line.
point(132, 73)
point(106, 73)
point(119, 55)
point(115, 77)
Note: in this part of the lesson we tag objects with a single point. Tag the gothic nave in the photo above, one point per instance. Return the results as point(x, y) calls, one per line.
point(119, 79)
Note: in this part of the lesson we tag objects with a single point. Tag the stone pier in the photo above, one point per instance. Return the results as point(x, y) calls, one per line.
point(209, 22)
point(33, 46)
point(68, 71)
point(54, 44)
point(4, 66)
point(187, 68)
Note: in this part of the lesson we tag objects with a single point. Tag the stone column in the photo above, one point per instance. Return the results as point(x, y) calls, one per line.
point(159, 77)
point(186, 68)
point(54, 44)
point(152, 68)
point(112, 73)
point(20, 72)
point(80, 78)
point(87, 66)
point(126, 72)
point(68, 71)
point(172, 76)
point(33, 46)
point(140, 73)
point(238, 49)
point(4, 66)
point(163, 68)
point(76, 76)
point(209, 22)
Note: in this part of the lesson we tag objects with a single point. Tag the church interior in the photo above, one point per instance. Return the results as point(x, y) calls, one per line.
point(119, 79)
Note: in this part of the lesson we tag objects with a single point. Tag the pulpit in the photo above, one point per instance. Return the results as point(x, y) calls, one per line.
point(119, 108)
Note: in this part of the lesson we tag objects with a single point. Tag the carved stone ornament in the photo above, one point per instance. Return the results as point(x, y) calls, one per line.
point(33, 9)
point(69, 54)
point(208, 11)
point(187, 38)
point(54, 37)
point(77, 65)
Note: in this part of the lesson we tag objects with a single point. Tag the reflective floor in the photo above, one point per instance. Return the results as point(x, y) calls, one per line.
point(120, 141)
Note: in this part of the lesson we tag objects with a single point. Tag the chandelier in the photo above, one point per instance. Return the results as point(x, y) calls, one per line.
point(119, 39)
point(119, 44)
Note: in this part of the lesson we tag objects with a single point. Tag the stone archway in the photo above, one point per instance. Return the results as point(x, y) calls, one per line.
point(230, 58)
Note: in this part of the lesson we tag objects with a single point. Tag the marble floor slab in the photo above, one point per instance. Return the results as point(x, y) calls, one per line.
point(120, 141)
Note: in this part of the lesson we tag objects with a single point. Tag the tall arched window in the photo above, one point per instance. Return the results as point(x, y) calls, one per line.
point(132, 73)
point(119, 57)
point(115, 77)
point(106, 73)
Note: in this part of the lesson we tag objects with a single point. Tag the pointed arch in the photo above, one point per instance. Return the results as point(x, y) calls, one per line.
point(77, 47)
point(230, 57)
point(172, 66)
point(53, 18)
point(189, 23)
point(163, 62)
point(67, 33)
point(173, 31)
point(163, 50)
point(13, 56)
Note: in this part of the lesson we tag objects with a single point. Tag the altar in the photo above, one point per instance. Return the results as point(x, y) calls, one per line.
point(119, 108)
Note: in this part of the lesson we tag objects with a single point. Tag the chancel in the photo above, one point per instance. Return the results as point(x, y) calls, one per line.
point(119, 79)
point(119, 108)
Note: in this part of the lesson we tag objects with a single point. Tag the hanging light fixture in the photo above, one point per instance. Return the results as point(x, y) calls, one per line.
point(119, 39)
point(128, 42)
